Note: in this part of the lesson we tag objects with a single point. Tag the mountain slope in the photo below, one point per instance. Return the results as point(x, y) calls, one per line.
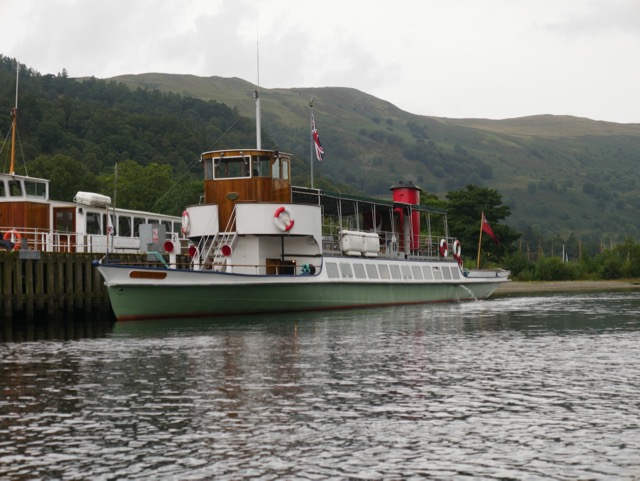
point(559, 174)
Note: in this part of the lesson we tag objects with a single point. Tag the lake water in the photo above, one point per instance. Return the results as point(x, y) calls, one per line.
point(531, 387)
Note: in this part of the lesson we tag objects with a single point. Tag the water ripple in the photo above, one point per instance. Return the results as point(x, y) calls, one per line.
point(513, 388)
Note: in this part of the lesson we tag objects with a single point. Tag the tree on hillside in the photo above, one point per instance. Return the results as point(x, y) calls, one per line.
point(138, 187)
point(67, 176)
point(465, 208)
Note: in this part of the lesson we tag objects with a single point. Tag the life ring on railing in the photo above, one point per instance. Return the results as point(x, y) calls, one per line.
point(444, 248)
point(14, 237)
point(457, 248)
point(457, 252)
point(186, 223)
point(284, 222)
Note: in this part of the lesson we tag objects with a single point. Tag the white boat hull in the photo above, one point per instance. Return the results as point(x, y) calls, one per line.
point(150, 293)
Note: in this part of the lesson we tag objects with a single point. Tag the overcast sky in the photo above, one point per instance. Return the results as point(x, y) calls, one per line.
point(447, 58)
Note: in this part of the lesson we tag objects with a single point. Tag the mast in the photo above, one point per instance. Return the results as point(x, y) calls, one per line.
point(311, 138)
point(256, 93)
point(14, 119)
point(480, 239)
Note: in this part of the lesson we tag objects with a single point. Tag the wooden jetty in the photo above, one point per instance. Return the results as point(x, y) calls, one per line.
point(53, 285)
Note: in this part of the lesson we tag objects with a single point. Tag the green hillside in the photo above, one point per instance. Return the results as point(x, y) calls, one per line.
point(559, 174)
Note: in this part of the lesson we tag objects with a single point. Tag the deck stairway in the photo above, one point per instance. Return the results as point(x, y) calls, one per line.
point(214, 255)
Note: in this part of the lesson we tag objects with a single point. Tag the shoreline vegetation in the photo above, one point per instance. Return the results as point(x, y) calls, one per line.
point(565, 286)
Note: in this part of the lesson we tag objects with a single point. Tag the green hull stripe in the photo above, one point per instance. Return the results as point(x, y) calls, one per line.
point(146, 302)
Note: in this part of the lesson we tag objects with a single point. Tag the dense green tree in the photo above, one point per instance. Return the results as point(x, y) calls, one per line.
point(465, 208)
point(138, 187)
point(67, 176)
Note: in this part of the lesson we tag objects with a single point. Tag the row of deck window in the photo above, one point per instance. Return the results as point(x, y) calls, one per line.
point(126, 225)
point(346, 270)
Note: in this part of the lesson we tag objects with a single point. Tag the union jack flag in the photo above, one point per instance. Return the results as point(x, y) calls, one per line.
point(316, 139)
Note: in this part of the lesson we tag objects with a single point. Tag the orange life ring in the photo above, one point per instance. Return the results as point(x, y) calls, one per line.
point(186, 223)
point(444, 248)
point(285, 222)
point(14, 237)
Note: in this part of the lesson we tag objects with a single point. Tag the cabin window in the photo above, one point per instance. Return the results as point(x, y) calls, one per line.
point(35, 189)
point(384, 271)
point(93, 223)
point(107, 221)
point(406, 272)
point(455, 273)
point(395, 271)
point(167, 226)
point(3, 190)
point(332, 270)
point(359, 271)
point(426, 270)
point(437, 274)
point(64, 221)
point(177, 226)
point(137, 221)
point(15, 190)
point(345, 270)
point(371, 271)
point(285, 169)
point(417, 273)
point(124, 226)
point(446, 273)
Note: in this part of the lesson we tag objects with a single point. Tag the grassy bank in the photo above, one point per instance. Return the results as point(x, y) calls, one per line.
point(566, 286)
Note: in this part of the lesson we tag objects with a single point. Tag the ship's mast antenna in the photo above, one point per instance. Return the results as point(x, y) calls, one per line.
point(256, 93)
point(14, 124)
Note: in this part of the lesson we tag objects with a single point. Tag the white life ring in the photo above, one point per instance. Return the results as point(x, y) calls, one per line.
point(186, 223)
point(457, 249)
point(283, 219)
point(444, 248)
point(457, 252)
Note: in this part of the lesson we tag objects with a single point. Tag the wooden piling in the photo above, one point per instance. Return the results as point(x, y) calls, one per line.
point(53, 284)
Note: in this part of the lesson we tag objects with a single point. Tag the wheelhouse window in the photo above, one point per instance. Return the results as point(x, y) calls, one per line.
point(275, 168)
point(15, 189)
point(208, 169)
point(231, 167)
point(261, 166)
point(36, 190)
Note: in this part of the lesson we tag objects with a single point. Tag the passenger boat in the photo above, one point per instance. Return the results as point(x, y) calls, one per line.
point(261, 245)
point(30, 220)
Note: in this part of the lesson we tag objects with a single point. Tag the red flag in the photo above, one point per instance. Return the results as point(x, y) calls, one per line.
point(486, 228)
point(316, 139)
